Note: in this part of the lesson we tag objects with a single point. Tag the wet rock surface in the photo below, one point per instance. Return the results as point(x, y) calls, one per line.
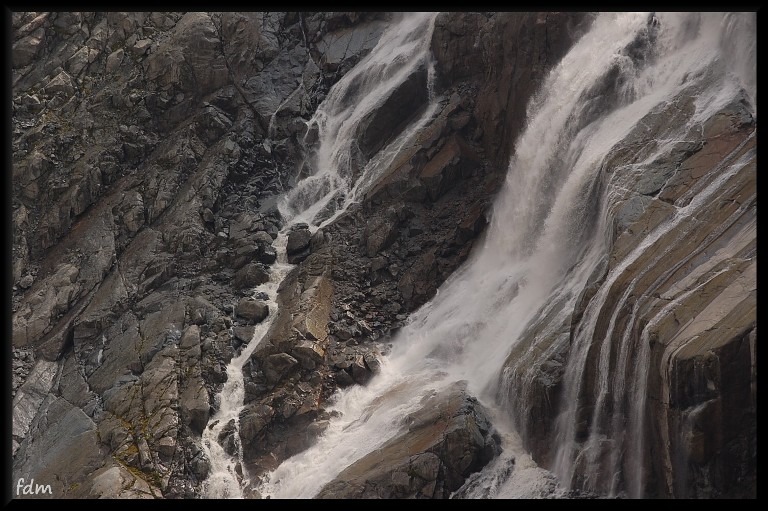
point(376, 263)
point(441, 444)
point(691, 301)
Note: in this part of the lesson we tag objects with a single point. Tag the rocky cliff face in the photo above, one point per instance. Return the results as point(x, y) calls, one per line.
point(150, 150)
point(145, 147)
point(649, 374)
point(686, 306)
point(388, 254)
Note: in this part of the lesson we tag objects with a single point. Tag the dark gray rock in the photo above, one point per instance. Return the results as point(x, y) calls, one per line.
point(298, 241)
point(298, 257)
point(359, 371)
point(317, 241)
point(26, 49)
point(267, 254)
point(243, 333)
point(343, 379)
point(348, 44)
point(308, 353)
point(454, 161)
point(252, 310)
point(253, 420)
point(381, 232)
point(194, 405)
point(251, 275)
point(379, 263)
point(278, 365)
point(227, 438)
point(298, 247)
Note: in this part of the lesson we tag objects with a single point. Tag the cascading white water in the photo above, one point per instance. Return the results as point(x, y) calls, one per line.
point(227, 475)
point(333, 186)
point(546, 237)
point(339, 177)
point(487, 302)
point(689, 56)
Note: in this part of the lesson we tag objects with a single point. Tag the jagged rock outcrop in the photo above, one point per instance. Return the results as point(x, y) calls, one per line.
point(442, 443)
point(386, 256)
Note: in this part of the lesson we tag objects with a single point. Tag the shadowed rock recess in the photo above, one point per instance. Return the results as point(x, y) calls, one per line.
point(150, 152)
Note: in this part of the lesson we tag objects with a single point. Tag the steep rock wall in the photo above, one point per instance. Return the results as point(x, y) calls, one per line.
point(145, 145)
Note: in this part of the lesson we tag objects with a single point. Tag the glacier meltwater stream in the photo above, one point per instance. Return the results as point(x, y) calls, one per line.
point(546, 237)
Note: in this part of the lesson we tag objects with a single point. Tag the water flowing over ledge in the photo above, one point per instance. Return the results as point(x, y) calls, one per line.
point(335, 182)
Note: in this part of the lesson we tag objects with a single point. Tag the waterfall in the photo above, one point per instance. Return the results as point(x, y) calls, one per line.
point(341, 173)
point(340, 176)
point(497, 320)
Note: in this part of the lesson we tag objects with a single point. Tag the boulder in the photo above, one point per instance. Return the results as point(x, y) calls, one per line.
point(446, 440)
point(243, 333)
point(63, 83)
point(227, 439)
point(250, 275)
point(194, 406)
point(140, 48)
point(252, 310)
point(26, 49)
point(278, 365)
point(359, 371)
point(266, 254)
point(312, 323)
point(253, 419)
point(298, 245)
point(114, 60)
point(308, 353)
point(84, 57)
